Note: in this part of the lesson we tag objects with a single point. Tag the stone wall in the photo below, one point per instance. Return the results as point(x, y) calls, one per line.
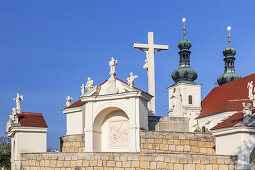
point(127, 161)
point(172, 142)
point(72, 143)
point(163, 123)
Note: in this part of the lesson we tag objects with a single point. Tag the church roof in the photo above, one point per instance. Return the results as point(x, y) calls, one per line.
point(227, 97)
point(78, 103)
point(29, 119)
point(230, 122)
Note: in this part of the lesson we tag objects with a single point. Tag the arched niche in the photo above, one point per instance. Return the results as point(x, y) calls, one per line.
point(111, 130)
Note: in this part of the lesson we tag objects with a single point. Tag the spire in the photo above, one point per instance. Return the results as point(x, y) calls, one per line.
point(229, 59)
point(184, 72)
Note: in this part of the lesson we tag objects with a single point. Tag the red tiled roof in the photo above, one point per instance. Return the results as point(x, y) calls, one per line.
point(78, 103)
point(227, 97)
point(230, 122)
point(29, 119)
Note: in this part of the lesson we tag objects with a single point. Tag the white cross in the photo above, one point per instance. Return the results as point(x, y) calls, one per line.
point(150, 49)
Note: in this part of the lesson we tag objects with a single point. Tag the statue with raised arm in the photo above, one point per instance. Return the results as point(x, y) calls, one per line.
point(89, 84)
point(82, 90)
point(177, 102)
point(250, 87)
point(68, 101)
point(18, 99)
point(112, 65)
point(131, 79)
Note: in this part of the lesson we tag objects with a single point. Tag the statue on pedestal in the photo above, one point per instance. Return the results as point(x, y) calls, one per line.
point(131, 79)
point(18, 106)
point(177, 102)
point(69, 100)
point(89, 84)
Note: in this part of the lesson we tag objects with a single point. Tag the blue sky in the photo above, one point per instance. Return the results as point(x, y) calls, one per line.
point(49, 48)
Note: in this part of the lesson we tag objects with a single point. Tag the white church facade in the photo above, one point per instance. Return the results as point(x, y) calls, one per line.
point(115, 125)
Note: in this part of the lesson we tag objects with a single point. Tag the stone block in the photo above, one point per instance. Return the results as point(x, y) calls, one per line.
point(178, 166)
point(208, 167)
point(189, 167)
point(126, 164)
point(153, 165)
point(200, 167)
point(135, 164)
point(110, 163)
point(144, 164)
point(161, 165)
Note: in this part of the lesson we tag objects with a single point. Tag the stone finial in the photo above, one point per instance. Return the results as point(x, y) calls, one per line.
point(18, 105)
point(131, 79)
point(68, 101)
point(82, 90)
point(112, 65)
point(89, 84)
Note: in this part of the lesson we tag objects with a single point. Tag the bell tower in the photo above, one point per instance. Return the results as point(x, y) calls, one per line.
point(189, 92)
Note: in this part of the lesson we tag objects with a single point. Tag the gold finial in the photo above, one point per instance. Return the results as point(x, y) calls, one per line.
point(184, 28)
point(229, 36)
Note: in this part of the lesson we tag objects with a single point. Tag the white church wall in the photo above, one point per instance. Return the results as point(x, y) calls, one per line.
point(74, 123)
point(75, 120)
point(236, 141)
point(191, 110)
point(212, 120)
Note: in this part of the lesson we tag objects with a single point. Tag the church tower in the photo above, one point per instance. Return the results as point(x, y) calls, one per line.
point(229, 72)
point(185, 94)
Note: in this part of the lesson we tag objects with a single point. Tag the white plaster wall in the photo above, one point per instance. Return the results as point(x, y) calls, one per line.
point(228, 145)
point(238, 141)
point(212, 120)
point(74, 123)
point(28, 142)
point(189, 110)
point(186, 90)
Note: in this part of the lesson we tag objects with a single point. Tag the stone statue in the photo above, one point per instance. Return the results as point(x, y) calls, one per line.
point(82, 90)
point(69, 100)
point(14, 111)
point(112, 65)
point(177, 102)
point(250, 87)
point(18, 99)
point(131, 79)
point(89, 84)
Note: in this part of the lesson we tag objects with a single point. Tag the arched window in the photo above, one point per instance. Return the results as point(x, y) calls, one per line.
point(190, 99)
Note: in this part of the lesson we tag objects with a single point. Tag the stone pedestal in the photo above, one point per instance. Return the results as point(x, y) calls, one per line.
point(176, 124)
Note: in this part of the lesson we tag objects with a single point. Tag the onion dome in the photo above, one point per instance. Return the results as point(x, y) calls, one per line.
point(184, 44)
point(184, 72)
point(229, 72)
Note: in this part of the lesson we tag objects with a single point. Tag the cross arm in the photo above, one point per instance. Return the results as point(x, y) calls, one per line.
point(160, 47)
point(142, 46)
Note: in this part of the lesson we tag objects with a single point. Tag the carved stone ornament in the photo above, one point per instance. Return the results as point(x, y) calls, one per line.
point(131, 79)
point(68, 101)
point(119, 134)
